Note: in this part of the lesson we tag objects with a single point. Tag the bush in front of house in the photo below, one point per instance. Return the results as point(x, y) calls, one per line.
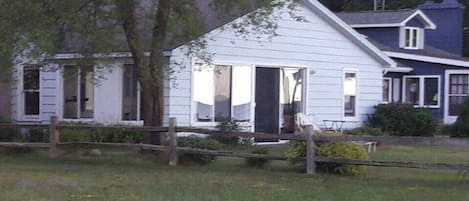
point(100, 135)
point(347, 150)
point(9, 135)
point(227, 126)
point(26, 135)
point(365, 131)
point(403, 120)
point(461, 127)
point(197, 143)
point(258, 162)
point(38, 135)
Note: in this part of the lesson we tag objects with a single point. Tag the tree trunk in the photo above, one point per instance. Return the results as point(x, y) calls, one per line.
point(156, 66)
point(151, 74)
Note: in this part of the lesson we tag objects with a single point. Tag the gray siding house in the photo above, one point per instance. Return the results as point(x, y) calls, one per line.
point(321, 67)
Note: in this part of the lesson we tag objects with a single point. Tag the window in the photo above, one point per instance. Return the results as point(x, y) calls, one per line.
point(350, 94)
point(31, 91)
point(291, 97)
point(222, 93)
point(78, 92)
point(387, 90)
point(422, 91)
point(458, 91)
point(412, 38)
point(130, 94)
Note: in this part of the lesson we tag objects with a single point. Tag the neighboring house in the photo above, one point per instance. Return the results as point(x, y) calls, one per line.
point(428, 41)
point(321, 67)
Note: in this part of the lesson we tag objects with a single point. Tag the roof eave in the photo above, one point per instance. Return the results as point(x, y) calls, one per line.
point(429, 59)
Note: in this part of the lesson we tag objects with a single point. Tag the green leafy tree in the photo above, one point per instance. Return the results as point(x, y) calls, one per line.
point(89, 27)
point(461, 127)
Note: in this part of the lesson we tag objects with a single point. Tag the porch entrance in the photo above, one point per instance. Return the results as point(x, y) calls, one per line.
point(279, 96)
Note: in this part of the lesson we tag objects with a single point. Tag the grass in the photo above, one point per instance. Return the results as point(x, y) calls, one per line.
point(128, 175)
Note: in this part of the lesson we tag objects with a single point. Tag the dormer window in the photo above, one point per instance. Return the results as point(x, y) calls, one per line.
point(412, 38)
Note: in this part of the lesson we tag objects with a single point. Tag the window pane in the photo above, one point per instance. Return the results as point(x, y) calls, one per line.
point(414, 37)
point(386, 89)
point(349, 106)
point(222, 93)
point(31, 90)
point(350, 84)
point(70, 92)
point(431, 91)
point(31, 78)
point(203, 93)
point(242, 85)
point(31, 103)
point(350, 92)
point(291, 97)
point(86, 92)
point(459, 83)
point(455, 105)
point(130, 93)
point(412, 95)
point(407, 37)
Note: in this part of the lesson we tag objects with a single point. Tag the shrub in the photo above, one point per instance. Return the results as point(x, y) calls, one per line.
point(101, 135)
point(365, 131)
point(18, 150)
point(198, 143)
point(75, 135)
point(9, 135)
point(403, 120)
point(227, 126)
point(38, 135)
point(258, 162)
point(348, 150)
point(461, 127)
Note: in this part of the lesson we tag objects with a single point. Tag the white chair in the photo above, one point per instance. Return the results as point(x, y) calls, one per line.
point(302, 120)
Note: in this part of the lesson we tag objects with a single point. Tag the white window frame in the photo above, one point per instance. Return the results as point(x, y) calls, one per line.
point(79, 119)
point(422, 86)
point(194, 122)
point(355, 117)
point(139, 97)
point(22, 91)
point(389, 90)
point(448, 119)
point(419, 41)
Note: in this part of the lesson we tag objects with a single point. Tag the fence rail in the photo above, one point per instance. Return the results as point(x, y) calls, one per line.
point(172, 149)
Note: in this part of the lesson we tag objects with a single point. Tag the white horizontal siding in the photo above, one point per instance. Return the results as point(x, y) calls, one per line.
point(14, 93)
point(314, 44)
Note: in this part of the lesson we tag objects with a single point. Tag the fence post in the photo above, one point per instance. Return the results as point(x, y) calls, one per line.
point(310, 164)
point(172, 153)
point(53, 136)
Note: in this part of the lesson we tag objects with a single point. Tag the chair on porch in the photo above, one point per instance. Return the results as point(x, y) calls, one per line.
point(302, 120)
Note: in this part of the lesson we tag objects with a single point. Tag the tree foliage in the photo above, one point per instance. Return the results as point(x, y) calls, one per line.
point(145, 28)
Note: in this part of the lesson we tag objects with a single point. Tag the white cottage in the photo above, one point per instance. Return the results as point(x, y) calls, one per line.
point(320, 67)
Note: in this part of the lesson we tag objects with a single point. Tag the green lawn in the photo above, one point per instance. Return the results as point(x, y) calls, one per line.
point(128, 175)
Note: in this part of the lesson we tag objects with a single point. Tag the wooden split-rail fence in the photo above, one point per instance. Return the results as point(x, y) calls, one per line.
point(310, 137)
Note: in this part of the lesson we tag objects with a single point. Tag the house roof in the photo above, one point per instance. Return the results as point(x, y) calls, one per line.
point(428, 54)
point(386, 18)
point(213, 20)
